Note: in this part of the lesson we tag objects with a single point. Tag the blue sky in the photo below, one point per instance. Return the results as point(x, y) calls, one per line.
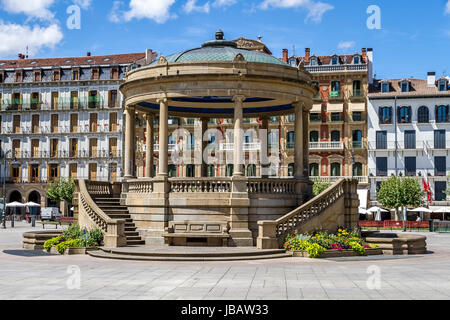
point(414, 37)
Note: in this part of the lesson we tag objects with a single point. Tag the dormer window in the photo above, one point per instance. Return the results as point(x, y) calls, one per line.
point(314, 61)
point(75, 74)
point(356, 60)
point(385, 87)
point(334, 60)
point(56, 75)
point(293, 62)
point(404, 85)
point(442, 85)
point(37, 76)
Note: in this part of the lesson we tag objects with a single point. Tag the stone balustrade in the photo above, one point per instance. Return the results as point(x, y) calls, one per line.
point(201, 185)
point(271, 186)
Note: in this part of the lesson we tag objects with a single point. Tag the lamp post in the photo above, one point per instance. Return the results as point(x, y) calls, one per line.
point(4, 189)
point(110, 159)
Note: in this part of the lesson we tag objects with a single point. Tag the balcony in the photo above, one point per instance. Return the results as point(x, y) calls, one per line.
point(358, 93)
point(335, 94)
point(361, 179)
point(326, 145)
point(253, 146)
point(357, 145)
point(290, 145)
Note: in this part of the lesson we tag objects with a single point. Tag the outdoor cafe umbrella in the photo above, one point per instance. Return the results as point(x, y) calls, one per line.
point(32, 204)
point(420, 210)
point(443, 210)
point(15, 205)
point(377, 211)
point(363, 211)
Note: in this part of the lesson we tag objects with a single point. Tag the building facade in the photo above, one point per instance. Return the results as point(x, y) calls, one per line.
point(409, 133)
point(338, 120)
point(61, 118)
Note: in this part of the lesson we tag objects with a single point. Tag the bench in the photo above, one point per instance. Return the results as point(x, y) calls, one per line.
point(60, 222)
point(192, 233)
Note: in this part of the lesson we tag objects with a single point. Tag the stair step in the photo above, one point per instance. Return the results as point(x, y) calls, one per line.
point(105, 255)
point(118, 216)
point(130, 229)
point(190, 254)
point(132, 238)
point(129, 234)
point(135, 242)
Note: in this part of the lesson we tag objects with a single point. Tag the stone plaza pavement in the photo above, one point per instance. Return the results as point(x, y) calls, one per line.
point(36, 275)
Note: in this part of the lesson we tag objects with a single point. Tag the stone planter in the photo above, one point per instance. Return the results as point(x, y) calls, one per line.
point(338, 253)
point(74, 251)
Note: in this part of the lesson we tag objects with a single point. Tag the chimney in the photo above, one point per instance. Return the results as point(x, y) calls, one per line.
point(431, 79)
point(364, 53)
point(369, 55)
point(21, 56)
point(285, 55)
point(88, 54)
point(307, 54)
point(149, 56)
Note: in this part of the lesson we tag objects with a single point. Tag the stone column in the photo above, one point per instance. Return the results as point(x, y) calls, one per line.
point(298, 147)
point(204, 144)
point(238, 156)
point(163, 137)
point(130, 133)
point(149, 172)
point(265, 165)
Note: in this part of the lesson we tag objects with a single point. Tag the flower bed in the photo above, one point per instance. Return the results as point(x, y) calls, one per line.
point(324, 245)
point(74, 241)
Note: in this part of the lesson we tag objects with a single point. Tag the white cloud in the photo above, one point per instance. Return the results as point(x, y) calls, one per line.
point(14, 38)
point(346, 44)
point(224, 3)
point(157, 10)
point(447, 7)
point(32, 8)
point(84, 4)
point(315, 9)
point(191, 6)
point(114, 15)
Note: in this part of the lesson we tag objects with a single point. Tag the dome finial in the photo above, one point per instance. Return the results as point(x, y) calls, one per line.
point(219, 35)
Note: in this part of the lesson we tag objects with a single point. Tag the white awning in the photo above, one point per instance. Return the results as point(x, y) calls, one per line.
point(358, 107)
point(363, 196)
point(317, 107)
point(335, 107)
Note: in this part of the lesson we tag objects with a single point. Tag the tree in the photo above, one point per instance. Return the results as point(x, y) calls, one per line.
point(320, 187)
point(398, 193)
point(62, 190)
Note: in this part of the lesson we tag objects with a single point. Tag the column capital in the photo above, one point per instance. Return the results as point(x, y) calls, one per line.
point(162, 100)
point(149, 116)
point(239, 98)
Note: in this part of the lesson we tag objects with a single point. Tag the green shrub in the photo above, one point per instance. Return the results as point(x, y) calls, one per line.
point(97, 236)
point(314, 250)
point(61, 248)
point(52, 242)
point(87, 241)
point(73, 232)
point(358, 248)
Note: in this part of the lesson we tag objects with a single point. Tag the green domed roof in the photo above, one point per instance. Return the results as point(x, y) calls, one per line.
point(222, 50)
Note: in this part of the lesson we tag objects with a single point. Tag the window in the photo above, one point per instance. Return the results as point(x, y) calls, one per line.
point(190, 171)
point(404, 86)
point(334, 60)
point(356, 60)
point(95, 73)
point(410, 166)
point(211, 171)
point(357, 88)
point(357, 139)
point(335, 169)
point(440, 166)
point(113, 98)
point(357, 116)
point(423, 115)
point(336, 116)
point(385, 115)
point(335, 136)
point(93, 99)
point(335, 89)
point(381, 143)
point(56, 76)
point(75, 75)
point(19, 76)
point(53, 172)
point(290, 140)
point(404, 115)
point(315, 117)
point(357, 169)
point(442, 85)
point(37, 76)
point(35, 101)
point(114, 72)
point(251, 170)
point(291, 167)
point(442, 114)
point(172, 171)
point(34, 173)
point(439, 139)
point(439, 189)
point(314, 136)
point(381, 166)
point(314, 61)
point(410, 139)
point(385, 87)
point(314, 169)
point(230, 170)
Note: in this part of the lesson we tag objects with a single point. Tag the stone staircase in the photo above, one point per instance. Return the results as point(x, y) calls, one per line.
point(113, 208)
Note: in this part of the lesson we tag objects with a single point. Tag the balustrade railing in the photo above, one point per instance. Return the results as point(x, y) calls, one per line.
point(203, 185)
point(140, 187)
point(271, 186)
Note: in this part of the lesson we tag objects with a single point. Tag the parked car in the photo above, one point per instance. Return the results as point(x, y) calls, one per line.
point(50, 214)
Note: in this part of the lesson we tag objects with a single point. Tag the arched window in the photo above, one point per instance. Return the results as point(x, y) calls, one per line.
point(357, 139)
point(273, 170)
point(230, 170)
point(357, 169)
point(290, 140)
point(404, 115)
point(190, 171)
point(314, 136)
point(442, 114)
point(336, 169)
point(423, 115)
point(172, 171)
point(251, 170)
point(314, 169)
point(291, 170)
point(335, 136)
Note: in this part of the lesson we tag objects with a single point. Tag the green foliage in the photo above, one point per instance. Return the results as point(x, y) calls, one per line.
point(62, 190)
point(314, 250)
point(73, 232)
point(87, 241)
point(61, 248)
point(52, 242)
point(97, 236)
point(400, 192)
point(358, 248)
point(320, 187)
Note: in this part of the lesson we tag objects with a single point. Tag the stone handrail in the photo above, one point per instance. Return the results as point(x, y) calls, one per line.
point(271, 186)
point(270, 232)
point(98, 188)
point(140, 186)
point(202, 185)
point(91, 216)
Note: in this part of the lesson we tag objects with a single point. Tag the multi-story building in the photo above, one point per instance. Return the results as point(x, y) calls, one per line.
point(61, 118)
point(338, 120)
point(409, 132)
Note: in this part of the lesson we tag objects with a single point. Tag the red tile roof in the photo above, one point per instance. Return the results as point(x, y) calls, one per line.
point(72, 61)
point(417, 87)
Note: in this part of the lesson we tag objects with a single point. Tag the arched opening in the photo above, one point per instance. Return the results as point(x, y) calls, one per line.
point(335, 169)
point(423, 115)
point(35, 197)
point(15, 196)
point(251, 170)
point(291, 169)
point(357, 169)
point(314, 169)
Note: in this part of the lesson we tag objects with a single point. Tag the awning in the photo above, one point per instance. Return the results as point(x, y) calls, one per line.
point(335, 107)
point(358, 107)
point(317, 107)
point(363, 198)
